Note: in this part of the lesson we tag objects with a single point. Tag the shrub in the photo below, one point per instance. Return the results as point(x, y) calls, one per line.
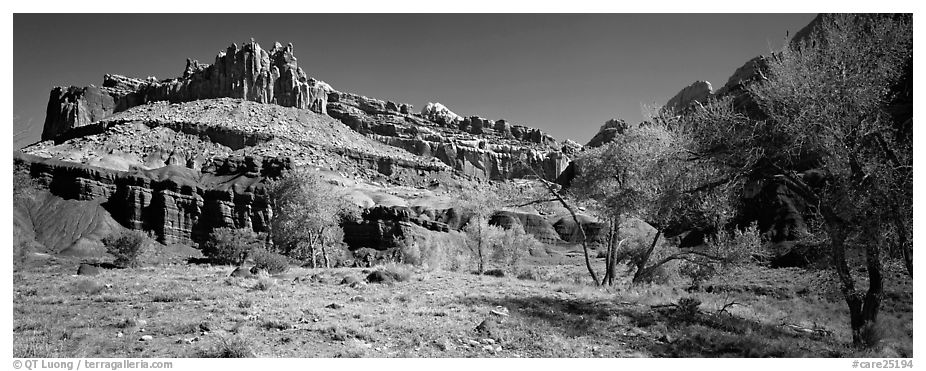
point(455, 254)
point(265, 284)
point(687, 307)
point(698, 272)
point(656, 266)
point(270, 261)
point(390, 273)
point(339, 255)
point(494, 272)
point(411, 250)
point(276, 324)
point(429, 251)
point(234, 347)
point(872, 334)
point(126, 247)
point(736, 248)
point(231, 246)
point(511, 246)
point(169, 297)
point(24, 186)
point(88, 287)
point(479, 235)
point(732, 248)
point(664, 274)
point(495, 246)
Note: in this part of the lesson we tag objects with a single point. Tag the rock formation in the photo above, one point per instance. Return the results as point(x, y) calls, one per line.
point(178, 204)
point(534, 224)
point(181, 170)
point(473, 145)
point(611, 129)
point(438, 113)
point(698, 91)
point(45, 223)
point(182, 156)
point(596, 232)
point(247, 72)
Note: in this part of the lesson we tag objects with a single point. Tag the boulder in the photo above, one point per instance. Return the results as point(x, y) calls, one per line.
point(242, 272)
point(489, 328)
point(385, 277)
point(88, 270)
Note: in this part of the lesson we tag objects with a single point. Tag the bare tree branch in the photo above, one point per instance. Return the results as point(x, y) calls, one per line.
point(553, 191)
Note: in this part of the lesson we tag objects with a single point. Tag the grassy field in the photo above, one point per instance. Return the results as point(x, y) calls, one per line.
point(199, 311)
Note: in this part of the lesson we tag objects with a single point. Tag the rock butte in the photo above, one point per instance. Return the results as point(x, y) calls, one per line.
point(182, 156)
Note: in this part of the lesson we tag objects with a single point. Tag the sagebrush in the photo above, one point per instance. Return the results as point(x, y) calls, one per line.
point(269, 261)
point(125, 247)
point(230, 245)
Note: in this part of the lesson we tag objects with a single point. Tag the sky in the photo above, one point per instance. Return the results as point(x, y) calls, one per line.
point(563, 73)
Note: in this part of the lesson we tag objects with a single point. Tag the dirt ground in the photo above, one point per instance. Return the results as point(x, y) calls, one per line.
point(548, 310)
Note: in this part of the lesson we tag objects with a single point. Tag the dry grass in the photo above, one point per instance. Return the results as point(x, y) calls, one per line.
point(234, 347)
point(554, 312)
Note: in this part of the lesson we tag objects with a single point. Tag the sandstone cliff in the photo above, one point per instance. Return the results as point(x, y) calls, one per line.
point(182, 156)
point(698, 91)
point(180, 170)
point(473, 145)
point(247, 72)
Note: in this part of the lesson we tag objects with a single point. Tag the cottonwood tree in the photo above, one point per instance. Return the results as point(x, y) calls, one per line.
point(618, 177)
point(644, 172)
point(307, 215)
point(231, 245)
point(829, 95)
point(480, 205)
point(825, 101)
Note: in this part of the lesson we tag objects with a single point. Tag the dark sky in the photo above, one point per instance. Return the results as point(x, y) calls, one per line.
point(563, 73)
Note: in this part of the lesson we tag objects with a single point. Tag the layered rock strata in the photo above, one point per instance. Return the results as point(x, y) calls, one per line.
point(247, 72)
point(182, 156)
point(178, 204)
point(473, 145)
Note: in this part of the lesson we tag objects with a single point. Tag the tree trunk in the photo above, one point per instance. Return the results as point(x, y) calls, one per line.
point(562, 201)
point(611, 259)
point(325, 257)
point(908, 258)
point(312, 252)
point(608, 252)
point(588, 262)
point(906, 248)
point(479, 247)
point(642, 271)
point(872, 302)
point(863, 308)
point(583, 237)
